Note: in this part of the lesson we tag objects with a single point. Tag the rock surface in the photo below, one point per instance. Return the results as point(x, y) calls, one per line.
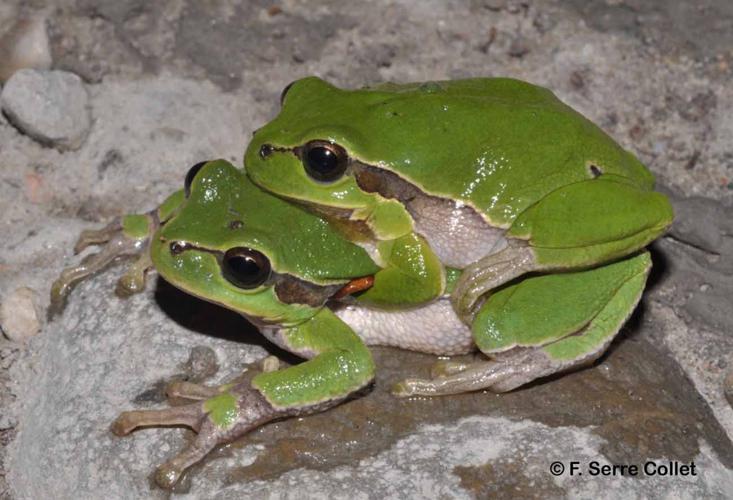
point(18, 317)
point(176, 82)
point(50, 106)
point(23, 45)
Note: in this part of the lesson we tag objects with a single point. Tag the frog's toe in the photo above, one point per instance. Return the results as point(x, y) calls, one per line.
point(133, 281)
point(124, 424)
point(189, 415)
point(270, 364)
point(413, 387)
point(445, 368)
point(89, 237)
point(180, 389)
point(169, 473)
point(471, 377)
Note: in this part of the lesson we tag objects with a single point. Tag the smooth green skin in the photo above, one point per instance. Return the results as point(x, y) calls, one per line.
point(509, 149)
point(222, 409)
point(412, 274)
point(496, 144)
point(550, 310)
point(297, 243)
point(136, 226)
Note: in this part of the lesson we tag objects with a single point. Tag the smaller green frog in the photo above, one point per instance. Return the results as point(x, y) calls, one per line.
point(226, 241)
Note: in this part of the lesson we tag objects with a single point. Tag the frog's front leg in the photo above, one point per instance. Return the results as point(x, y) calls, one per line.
point(118, 243)
point(543, 325)
point(411, 274)
point(197, 392)
point(339, 365)
point(581, 225)
point(124, 237)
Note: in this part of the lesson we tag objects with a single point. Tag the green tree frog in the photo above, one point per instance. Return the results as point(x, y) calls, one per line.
point(492, 176)
point(226, 241)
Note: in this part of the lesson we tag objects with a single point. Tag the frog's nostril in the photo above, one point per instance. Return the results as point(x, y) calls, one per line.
point(177, 247)
point(265, 151)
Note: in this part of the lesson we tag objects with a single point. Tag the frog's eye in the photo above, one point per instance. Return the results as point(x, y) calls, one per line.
point(285, 91)
point(191, 175)
point(324, 161)
point(245, 268)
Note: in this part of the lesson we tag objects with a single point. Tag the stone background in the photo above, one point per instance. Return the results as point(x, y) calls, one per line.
point(166, 84)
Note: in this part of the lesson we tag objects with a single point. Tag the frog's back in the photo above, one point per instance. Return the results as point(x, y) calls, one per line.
point(497, 144)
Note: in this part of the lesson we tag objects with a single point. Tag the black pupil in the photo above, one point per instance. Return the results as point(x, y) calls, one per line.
point(245, 268)
point(323, 163)
point(191, 175)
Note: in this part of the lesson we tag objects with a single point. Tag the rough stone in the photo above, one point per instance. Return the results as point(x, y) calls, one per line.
point(173, 83)
point(24, 45)
point(49, 106)
point(18, 316)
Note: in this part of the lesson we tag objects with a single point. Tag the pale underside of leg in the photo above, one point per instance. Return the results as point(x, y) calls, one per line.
point(487, 274)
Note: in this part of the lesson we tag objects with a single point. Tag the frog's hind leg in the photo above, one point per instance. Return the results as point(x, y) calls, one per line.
point(581, 225)
point(571, 319)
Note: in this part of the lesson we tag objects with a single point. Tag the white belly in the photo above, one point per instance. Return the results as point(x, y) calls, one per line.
point(433, 328)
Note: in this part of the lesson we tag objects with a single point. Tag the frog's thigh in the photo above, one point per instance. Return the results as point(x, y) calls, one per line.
point(579, 225)
point(412, 274)
point(571, 318)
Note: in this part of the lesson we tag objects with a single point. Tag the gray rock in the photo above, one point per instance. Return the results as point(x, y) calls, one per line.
point(18, 316)
point(24, 45)
point(49, 106)
point(658, 83)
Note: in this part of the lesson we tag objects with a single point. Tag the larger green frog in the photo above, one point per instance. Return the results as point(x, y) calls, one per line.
point(496, 177)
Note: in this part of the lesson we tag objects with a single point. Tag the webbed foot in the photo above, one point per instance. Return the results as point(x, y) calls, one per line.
point(501, 375)
point(218, 415)
point(124, 237)
point(446, 367)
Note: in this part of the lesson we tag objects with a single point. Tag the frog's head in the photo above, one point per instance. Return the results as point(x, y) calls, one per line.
point(321, 149)
point(308, 151)
point(237, 246)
